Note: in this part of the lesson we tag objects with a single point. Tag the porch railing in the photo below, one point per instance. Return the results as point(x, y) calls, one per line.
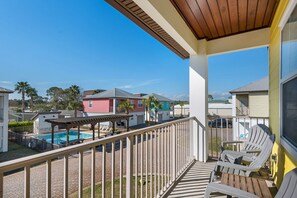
point(229, 128)
point(144, 163)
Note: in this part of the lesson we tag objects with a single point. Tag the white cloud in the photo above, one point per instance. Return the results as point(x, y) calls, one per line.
point(182, 96)
point(220, 95)
point(6, 82)
point(140, 84)
point(126, 87)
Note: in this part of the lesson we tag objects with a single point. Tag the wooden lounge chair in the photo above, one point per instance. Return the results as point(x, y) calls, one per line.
point(288, 188)
point(245, 170)
point(257, 136)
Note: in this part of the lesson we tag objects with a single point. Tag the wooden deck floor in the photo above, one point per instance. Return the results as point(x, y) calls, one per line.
point(194, 182)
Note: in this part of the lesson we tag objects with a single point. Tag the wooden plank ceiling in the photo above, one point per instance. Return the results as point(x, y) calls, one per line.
point(136, 14)
point(212, 19)
point(208, 19)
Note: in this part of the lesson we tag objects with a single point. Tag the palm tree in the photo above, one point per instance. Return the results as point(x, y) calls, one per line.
point(74, 99)
point(148, 105)
point(22, 87)
point(32, 94)
point(156, 106)
point(126, 106)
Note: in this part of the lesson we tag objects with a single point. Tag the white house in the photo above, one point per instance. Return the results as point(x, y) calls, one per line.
point(40, 126)
point(4, 98)
point(220, 108)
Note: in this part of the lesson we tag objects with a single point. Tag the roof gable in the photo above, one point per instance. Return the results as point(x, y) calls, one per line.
point(259, 85)
point(4, 90)
point(113, 93)
point(158, 97)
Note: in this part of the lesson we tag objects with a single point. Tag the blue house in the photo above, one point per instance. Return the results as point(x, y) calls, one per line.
point(163, 114)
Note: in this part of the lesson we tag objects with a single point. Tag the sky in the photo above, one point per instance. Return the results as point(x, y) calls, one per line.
point(92, 45)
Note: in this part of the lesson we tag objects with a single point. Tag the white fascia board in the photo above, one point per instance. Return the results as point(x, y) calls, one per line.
point(289, 9)
point(239, 42)
point(158, 17)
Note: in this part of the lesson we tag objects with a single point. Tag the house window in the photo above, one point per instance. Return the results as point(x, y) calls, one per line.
point(140, 103)
point(288, 84)
point(90, 103)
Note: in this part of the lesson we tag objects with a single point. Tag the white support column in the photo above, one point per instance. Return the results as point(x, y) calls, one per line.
point(199, 100)
point(235, 123)
point(114, 106)
point(5, 123)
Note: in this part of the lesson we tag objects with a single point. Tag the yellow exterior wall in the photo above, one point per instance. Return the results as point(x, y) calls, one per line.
point(284, 162)
point(258, 104)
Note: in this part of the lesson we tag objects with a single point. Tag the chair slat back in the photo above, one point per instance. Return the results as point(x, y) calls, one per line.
point(288, 188)
point(257, 137)
point(261, 159)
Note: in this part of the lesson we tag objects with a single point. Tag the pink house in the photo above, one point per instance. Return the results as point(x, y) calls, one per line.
point(107, 103)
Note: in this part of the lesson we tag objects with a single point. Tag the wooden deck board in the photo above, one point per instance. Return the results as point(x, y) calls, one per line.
point(190, 186)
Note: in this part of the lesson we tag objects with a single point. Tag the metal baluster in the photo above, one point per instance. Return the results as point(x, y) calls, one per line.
point(27, 181)
point(136, 166)
point(174, 154)
point(141, 165)
point(159, 159)
point(93, 172)
point(155, 163)
point(103, 169)
point(129, 166)
point(65, 176)
point(80, 174)
point(216, 134)
point(121, 168)
point(151, 164)
point(48, 178)
point(146, 164)
point(112, 167)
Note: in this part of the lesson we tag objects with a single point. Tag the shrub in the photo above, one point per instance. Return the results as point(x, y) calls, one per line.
point(19, 124)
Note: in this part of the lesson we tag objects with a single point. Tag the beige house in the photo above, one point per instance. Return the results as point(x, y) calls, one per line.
point(251, 100)
point(250, 105)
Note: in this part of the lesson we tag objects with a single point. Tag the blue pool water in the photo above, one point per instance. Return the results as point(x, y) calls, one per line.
point(60, 137)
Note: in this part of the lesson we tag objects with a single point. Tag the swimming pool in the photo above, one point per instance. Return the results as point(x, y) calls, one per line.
point(60, 137)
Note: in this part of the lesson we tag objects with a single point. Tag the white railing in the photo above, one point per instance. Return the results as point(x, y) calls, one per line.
point(144, 163)
point(229, 128)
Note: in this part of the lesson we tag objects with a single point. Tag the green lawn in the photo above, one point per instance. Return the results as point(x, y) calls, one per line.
point(16, 151)
point(87, 190)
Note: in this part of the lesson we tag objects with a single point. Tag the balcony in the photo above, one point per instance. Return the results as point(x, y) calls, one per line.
point(149, 160)
point(155, 161)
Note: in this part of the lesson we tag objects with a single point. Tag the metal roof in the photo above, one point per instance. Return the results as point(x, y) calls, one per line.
point(158, 97)
point(4, 90)
point(72, 122)
point(259, 85)
point(113, 93)
point(45, 113)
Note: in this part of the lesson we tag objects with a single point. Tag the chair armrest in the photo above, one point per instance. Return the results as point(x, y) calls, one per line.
point(235, 154)
point(231, 142)
point(237, 166)
point(253, 151)
point(228, 190)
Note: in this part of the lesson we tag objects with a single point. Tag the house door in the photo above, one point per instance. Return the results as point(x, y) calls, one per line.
point(140, 119)
point(160, 117)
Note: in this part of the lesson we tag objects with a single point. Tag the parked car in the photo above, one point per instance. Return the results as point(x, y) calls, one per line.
point(220, 122)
